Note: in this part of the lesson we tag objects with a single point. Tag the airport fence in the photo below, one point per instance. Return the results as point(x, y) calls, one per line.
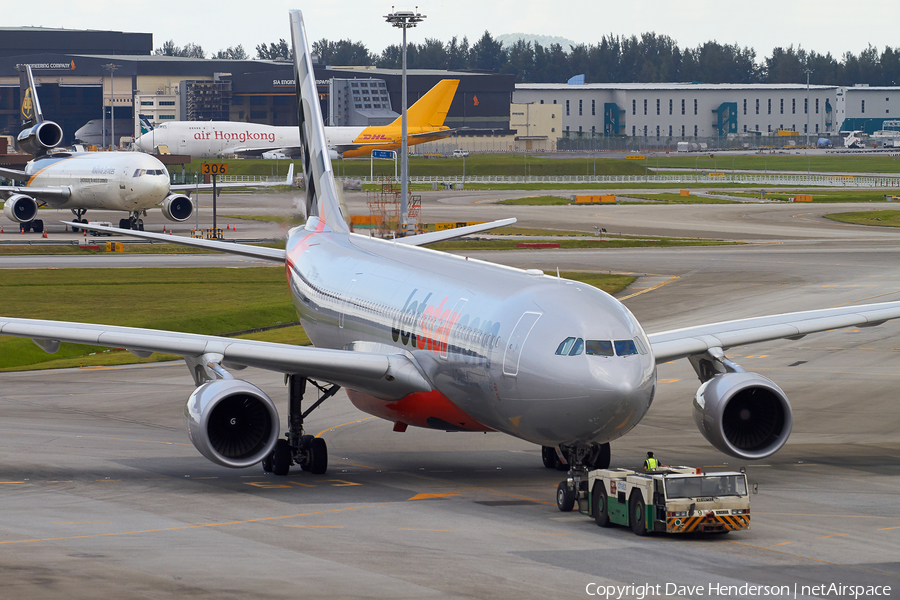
point(687, 179)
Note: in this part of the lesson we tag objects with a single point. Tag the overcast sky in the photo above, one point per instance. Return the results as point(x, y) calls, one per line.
point(820, 25)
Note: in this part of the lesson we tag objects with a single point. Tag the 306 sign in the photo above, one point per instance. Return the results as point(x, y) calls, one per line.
point(214, 169)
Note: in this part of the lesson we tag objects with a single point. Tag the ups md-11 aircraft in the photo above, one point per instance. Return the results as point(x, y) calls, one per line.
point(123, 181)
point(130, 182)
point(428, 339)
point(205, 139)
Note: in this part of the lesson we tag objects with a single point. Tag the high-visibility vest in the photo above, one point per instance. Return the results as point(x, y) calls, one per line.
point(650, 464)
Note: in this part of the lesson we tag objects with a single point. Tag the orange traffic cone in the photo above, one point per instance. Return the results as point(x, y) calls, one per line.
point(45, 234)
point(22, 229)
point(234, 228)
point(164, 228)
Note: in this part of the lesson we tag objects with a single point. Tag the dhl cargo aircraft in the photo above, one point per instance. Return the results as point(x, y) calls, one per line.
point(205, 139)
point(130, 182)
point(428, 339)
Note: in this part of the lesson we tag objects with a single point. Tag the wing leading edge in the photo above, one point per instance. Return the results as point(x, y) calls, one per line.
point(384, 375)
point(681, 343)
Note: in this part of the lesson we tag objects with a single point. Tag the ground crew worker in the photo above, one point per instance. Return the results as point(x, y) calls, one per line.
point(651, 464)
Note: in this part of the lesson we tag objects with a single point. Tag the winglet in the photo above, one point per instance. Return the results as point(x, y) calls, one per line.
point(321, 191)
point(289, 180)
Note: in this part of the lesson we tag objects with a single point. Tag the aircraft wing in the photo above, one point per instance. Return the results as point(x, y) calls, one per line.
point(385, 375)
point(449, 234)
point(41, 194)
point(187, 187)
point(272, 254)
point(289, 151)
point(14, 174)
point(681, 343)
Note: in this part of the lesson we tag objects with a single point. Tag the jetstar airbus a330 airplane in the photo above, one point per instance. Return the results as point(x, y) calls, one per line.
point(205, 139)
point(131, 182)
point(428, 339)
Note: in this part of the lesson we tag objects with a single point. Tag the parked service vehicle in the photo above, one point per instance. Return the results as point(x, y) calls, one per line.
point(460, 153)
point(669, 499)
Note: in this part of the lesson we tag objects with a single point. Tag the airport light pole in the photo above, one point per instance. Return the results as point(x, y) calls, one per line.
point(404, 19)
point(808, 71)
point(112, 108)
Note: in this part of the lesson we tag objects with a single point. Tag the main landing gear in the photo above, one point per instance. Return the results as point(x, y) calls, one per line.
point(579, 459)
point(79, 213)
point(309, 452)
point(133, 222)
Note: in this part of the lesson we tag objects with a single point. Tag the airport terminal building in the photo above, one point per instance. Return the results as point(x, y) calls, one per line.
point(86, 75)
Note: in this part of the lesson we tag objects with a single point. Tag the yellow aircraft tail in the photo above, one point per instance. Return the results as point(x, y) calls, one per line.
point(431, 109)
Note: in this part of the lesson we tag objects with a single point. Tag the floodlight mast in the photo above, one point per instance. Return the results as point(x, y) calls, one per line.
point(404, 19)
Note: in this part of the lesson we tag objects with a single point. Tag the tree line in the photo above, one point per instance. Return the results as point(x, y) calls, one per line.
point(648, 58)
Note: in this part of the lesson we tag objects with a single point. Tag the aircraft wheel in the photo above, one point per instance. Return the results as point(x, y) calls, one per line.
point(638, 515)
point(124, 224)
point(281, 458)
point(318, 456)
point(603, 459)
point(305, 443)
point(37, 226)
point(25, 227)
point(548, 455)
point(600, 506)
point(565, 498)
point(140, 224)
point(268, 463)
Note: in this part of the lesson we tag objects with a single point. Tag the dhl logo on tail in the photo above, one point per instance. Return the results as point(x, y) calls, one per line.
point(424, 122)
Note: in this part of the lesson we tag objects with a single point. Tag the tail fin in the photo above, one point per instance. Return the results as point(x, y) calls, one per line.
point(321, 191)
point(146, 126)
point(431, 109)
point(31, 106)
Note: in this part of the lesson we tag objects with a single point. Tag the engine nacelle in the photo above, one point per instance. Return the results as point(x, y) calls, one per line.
point(743, 414)
point(231, 422)
point(20, 208)
point(40, 138)
point(177, 207)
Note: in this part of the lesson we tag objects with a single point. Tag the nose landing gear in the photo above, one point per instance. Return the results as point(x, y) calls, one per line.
point(581, 458)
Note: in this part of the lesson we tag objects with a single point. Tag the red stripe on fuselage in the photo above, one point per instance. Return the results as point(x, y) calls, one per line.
point(421, 409)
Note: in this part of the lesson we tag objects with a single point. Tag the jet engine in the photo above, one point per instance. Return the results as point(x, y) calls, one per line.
point(20, 208)
point(231, 422)
point(177, 207)
point(743, 414)
point(40, 138)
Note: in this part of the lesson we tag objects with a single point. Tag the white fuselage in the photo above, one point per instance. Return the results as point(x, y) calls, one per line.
point(92, 131)
point(125, 181)
point(209, 139)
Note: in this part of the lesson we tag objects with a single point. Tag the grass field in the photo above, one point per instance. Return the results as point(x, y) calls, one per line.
point(211, 301)
point(849, 195)
point(678, 199)
point(538, 165)
point(880, 218)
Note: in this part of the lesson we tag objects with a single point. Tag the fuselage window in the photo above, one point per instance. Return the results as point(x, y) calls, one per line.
point(598, 348)
point(625, 347)
point(565, 346)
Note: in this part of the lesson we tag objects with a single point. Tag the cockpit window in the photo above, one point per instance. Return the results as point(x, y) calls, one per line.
point(137, 172)
point(598, 348)
point(565, 346)
point(577, 348)
point(625, 347)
